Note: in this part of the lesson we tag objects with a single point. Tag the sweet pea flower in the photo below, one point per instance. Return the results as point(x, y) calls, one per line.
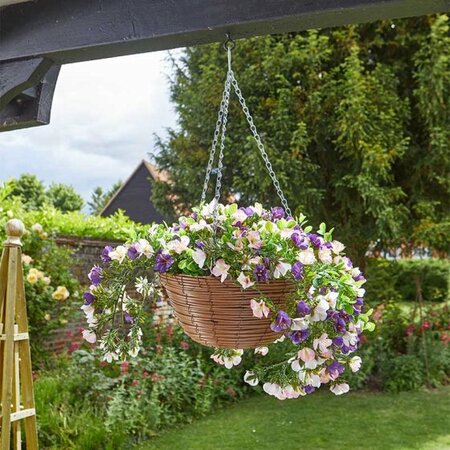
point(199, 256)
point(239, 216)
point(95, 275)
point(303, 309)
point(251, 378)
point(350, 339)
point(254, 239)
point(201, 225)
point(320, 311)
point(297, 337)
point(89, 336)
point(339, 389)
point(337, 247)
point(245, 281)
point(301, 242)
point(260, 273)
point(145, 248)
point(118, 254)
point(325, 256)
point(179, 245)
point(335, 369)
point(282, 322)
point(238, 245)
point(331, 297)
point(307, 354)
point(163, 262)
point(307, 256)
point(261, 351)
point(355, 363)
point(299, 324)
point(88, 298)
point(313, 380)
point(322, 343)
point(281, 269)
point(234, 360)
point(259, 309)
point(221, 269)
point(297, 270)
point(277, 213)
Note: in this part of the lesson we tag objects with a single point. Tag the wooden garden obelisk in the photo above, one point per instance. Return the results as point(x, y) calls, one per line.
point(16, 379)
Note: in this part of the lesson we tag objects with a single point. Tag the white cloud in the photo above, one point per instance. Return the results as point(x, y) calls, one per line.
point(104, 117)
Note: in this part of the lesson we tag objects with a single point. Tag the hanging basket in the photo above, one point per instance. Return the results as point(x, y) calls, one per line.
point(218, 314)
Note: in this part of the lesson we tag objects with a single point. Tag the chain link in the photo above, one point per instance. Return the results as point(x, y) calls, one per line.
point(219, 133)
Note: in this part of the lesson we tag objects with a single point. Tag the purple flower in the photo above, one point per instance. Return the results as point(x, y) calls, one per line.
point(359, 277)
point(277, 213)
point(348, 262)
point(163, 262)
point(105, 254)
point(299, 241)
point(282, 322)
point(194, 215)
point(315, 239)
point(303, 309)
point(335, 369)
point(297, 270)
point(338, 341)
point(128, 318)
point(299, 336)
point(95, 275)
point(248, 211)
point(260, 272)
point(309, 389)
point(199, 244)
point(133, 252)
point(88, 298)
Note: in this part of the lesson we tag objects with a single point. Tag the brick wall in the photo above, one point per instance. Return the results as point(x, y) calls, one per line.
point(86, 253)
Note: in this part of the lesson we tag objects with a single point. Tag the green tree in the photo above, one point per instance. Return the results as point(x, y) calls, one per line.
point(30, 189)
point(100, 198)
point(64, 197)
point(355, 121)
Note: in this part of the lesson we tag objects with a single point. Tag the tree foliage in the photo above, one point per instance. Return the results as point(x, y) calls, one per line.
point(100, 198)
point(355, 121)
point(64, 197)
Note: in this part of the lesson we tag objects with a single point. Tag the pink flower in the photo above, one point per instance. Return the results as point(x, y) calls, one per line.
point(221, 269)
point(259, 309)
point(245, 281)
point(307, 354)
point(89, 336)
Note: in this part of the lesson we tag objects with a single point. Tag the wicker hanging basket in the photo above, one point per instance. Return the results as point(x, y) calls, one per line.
point(218, 314)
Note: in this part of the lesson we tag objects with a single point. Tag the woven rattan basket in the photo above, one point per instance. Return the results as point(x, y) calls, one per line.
point(218, 314)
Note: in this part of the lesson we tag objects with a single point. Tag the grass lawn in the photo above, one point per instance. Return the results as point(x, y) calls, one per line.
point(356, 421)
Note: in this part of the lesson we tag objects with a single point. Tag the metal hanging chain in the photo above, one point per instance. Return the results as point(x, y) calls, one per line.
point(220, 133)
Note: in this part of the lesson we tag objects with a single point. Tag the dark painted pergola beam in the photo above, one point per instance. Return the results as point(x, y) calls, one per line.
point(47, 33)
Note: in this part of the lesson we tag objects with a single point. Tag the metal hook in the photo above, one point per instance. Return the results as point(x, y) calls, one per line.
point(229, 44)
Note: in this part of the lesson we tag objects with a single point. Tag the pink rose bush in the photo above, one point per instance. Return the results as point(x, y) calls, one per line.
point(321, 323)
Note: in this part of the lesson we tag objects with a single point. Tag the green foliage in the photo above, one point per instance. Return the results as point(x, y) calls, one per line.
point(354, 119)
point(100, 198)
point(30, 190)
point(64, 197)
point(403, 373)
point(396, 280)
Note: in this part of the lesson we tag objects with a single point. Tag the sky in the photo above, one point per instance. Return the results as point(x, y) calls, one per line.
point(104, 117)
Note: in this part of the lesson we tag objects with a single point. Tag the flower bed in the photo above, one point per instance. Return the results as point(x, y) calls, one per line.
point(322, 317)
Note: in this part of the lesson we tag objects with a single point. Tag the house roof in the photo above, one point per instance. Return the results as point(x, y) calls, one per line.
point(153, 171)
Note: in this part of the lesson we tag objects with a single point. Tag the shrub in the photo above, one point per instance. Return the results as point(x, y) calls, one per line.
point(403, 373)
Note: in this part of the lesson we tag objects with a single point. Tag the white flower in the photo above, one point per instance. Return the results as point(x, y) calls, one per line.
point(134, 351)
point(299, 323)
point(286, 233)
point(350, 338)
point(208, 210)
point(337, 247)
point(230, 361)
point(179, 245)
point(89, 336)
point(323, 342)
point(245, 281)
point(110, 357)
point(340, 389)
point(88, 310)
point(26, 259)
point(259, 309)
point(313, 380)
point(280, 339)
point(220, 269)
point(331, 298)
point(257, 208)
point(307, 354)
point(272, 389)
point(307, 256)
point(320, 311)
point(281, 269)
point(37, 227)
point(296, 366)
point(199, 256)
point(145, 248)
point(201, 225)
point(119, 253)
point(254, 239)
point(361, 292)
point(261, 351)
point(239, 216)
point(251, 378)
point(325, 255)
point(355, 363)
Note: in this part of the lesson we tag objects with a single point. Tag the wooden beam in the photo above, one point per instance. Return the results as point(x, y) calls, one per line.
point(80, 30)
point(33, 106)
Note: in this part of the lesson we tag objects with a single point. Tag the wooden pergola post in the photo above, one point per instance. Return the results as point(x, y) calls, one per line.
point(16, 379)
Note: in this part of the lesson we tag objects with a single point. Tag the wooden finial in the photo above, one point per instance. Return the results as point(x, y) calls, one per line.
point(14, 231)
